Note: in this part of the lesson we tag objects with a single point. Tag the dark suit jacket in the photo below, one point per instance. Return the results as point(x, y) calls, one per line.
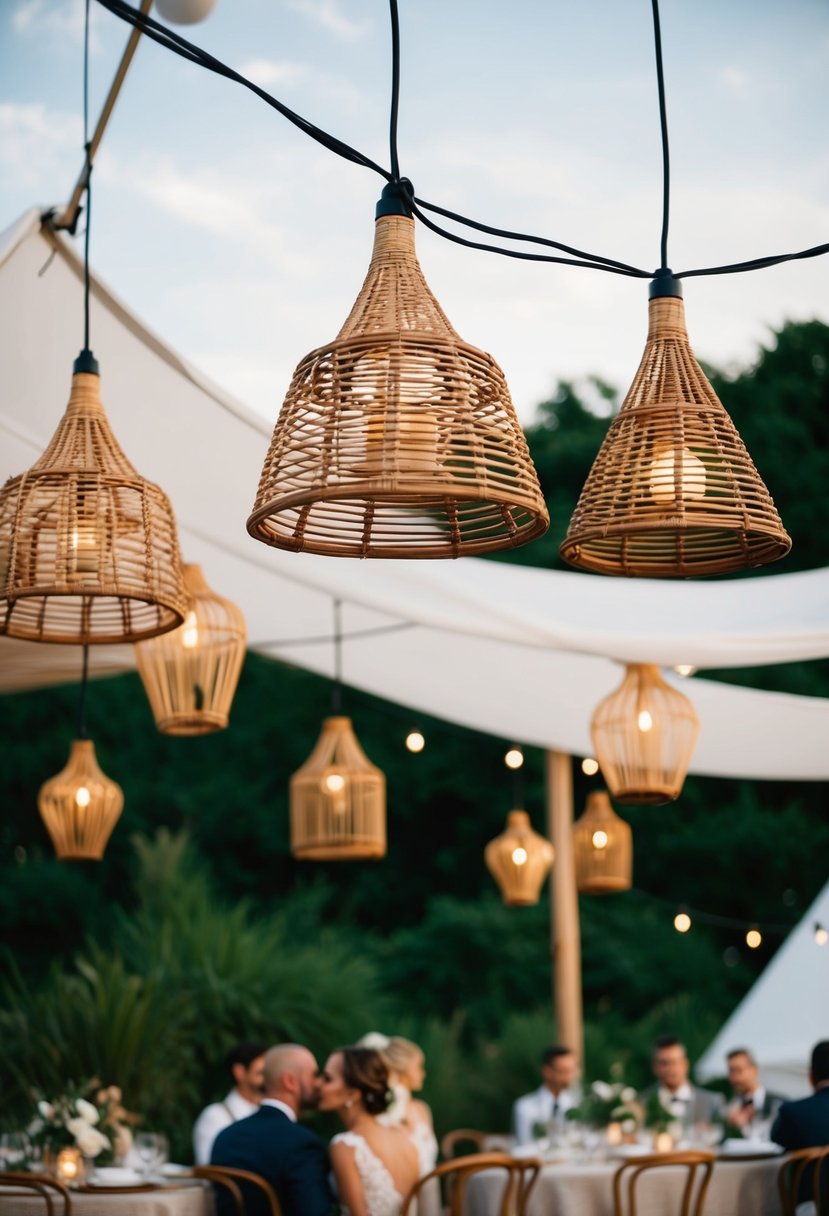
point(804, 1124)
point(291, 1157)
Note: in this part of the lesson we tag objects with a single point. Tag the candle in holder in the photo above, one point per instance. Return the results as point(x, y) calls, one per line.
point(614, 1134)
point(70, 1167)
point(663, 1142)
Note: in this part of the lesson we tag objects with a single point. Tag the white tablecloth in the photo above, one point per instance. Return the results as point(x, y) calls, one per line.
point(181, 1200)
point(737, 1188)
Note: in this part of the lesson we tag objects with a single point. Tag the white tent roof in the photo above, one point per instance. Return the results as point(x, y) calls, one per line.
point(517, 652)
point(784, 1013)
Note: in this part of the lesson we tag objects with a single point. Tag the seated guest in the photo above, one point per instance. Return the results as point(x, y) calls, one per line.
point(273, 1144)
point(752, 1107)
point(245, 1063)
point(551, 1100)
point(683, 1101)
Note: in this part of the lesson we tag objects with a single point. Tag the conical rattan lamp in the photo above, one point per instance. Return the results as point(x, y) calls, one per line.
point(602, 848)
point(519, 860)
point(80, 806)
point(190, 674)
point(644, 735)
point(398, 439)
point(673, 491)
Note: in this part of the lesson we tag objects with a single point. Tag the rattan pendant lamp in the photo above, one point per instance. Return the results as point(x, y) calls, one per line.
point(644, 735)
point(602, 848)
point(519, 860)
point(190, 674)
point(338, 797)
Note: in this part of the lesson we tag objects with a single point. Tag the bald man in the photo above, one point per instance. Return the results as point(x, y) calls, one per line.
point(273, 1143)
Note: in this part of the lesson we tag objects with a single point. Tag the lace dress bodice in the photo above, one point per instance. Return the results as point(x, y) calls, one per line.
point(382, 1198)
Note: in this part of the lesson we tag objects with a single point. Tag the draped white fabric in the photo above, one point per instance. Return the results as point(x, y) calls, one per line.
point(521, 653)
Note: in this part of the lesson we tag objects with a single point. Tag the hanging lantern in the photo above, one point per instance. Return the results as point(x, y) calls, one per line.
point(338, 800)
point(190, 674)
point(603, 848)
point(80, 806)
point(88, 549)
point(397, 439)
point(644, 735)
point(519, 860)
point(673, 491)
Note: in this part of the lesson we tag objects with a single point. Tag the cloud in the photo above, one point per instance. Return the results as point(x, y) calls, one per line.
point(737, 81)
point(269, 72)
point(60, 20)
point(329, 16)
point(35, 142)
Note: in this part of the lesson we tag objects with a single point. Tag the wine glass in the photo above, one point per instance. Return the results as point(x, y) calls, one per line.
point(14, 1150)
point(151, 1149)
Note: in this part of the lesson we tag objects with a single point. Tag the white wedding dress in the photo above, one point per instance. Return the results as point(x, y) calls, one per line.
point(382, 1198)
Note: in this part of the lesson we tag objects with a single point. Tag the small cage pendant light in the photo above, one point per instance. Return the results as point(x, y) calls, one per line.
point(602, 847)
point(519, 860)
point(673, 491)
point(644, 735)
point(190, 674)
point(397, 440)
point(80, 806)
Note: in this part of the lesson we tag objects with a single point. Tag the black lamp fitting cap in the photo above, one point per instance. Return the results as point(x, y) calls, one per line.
point(86, 362)
point(664, 284)
point(394, 199)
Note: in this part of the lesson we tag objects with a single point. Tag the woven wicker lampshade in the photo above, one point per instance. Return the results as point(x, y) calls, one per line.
point(80, 806)
point(338, 800)
point(190, 673)
point(397, 439)
point(673, 491)
point(644, 735)
point(602, 847)
point(88, 548)
point(519, 860)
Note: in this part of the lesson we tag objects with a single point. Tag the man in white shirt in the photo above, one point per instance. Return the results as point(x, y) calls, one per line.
point(551, 1100)
point(686, 1103)
point(246, 1065)
point(753, 1107)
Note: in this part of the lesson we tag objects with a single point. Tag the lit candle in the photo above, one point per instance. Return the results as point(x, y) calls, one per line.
point(70, 1166)
point(663, 1142)
point(614, 1134)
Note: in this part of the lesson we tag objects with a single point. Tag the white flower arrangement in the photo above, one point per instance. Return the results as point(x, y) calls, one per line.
point(92, 1126)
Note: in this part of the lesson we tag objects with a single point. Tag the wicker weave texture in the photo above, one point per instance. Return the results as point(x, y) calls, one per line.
point(603, 848)
point(519, 860)
point(88, 549)
point(673, 491)
point(338, 800)
point(397, 439)
point(80, 823)
point(190, 674)
point(644, 735)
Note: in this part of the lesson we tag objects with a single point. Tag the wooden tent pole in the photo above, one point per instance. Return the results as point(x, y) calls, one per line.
point(565, 934)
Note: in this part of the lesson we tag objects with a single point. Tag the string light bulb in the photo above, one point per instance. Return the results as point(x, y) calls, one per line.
point(415, 741)
point(754, 938)
point(682, 922)
point(821, 934)
point(589, 766)
point(514, 758)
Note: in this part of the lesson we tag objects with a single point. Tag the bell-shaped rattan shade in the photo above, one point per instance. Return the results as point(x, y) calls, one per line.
point(190, 673)
point(88, 549)
point(397, 439)
point(673, 490)
point(644, 735)
point(602, 848)
point(519, 860)
point(80, 806)
point(338, 800)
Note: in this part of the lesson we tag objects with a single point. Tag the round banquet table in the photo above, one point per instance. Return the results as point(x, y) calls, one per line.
point(738, 1187)
point(180, 1198)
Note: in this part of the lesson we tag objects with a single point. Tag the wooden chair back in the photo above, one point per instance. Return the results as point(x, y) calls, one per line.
point(461, 1135)
point(55, 1196)
point(235, 1181)
point(697, 1166)
point(454, 1175)
point(790, 1176)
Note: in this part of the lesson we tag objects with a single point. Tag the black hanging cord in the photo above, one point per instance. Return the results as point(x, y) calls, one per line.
point(394, 160)
point(87, 146)
point(82, 734)
point(337, 690)
point(663, 127)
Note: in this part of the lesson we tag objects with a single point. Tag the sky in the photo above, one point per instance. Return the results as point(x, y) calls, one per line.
point(244, 244)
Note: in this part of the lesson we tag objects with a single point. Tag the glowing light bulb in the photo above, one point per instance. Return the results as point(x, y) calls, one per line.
point(84, 542)
point(514, 758)
point(519, 856)
point(684, 669)
point(644, 720)
point(821, 935)
point(600, 839)
point(190, 636)
point(666, 479)
point(589, 766)
point(82, 796)
point(415, 741)
point(754, 938)
point(682, 922)
point(335, 783)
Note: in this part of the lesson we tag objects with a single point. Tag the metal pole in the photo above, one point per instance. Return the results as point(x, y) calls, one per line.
point(565, 934)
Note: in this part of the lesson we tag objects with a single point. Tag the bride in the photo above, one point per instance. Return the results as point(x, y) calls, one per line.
point(375, 1166)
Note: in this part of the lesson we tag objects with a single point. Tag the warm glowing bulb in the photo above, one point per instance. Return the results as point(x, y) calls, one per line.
point(415, 741)
point(190, 637)
point(519, 856)
point(600, 839)
point(82, 796)
point(84, 542)
point(754, 938)
point(335, 783)
point(682, 922)
point(684, 669)
point(645, 721)
point(514, 758)
point(821, 935)
point(664, 476)
point(589, 766)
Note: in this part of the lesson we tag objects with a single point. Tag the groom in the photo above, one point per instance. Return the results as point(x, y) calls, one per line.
point(273, 1144)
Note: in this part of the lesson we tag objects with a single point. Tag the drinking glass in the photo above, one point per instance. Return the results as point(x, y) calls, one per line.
point(152, 1149)
point(14, 1150)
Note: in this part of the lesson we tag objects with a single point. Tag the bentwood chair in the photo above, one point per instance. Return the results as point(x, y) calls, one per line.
point(484, 1142)
point(691, 1201)
point(803, 1171)
point(55, 1196)
point(519, 1180)
point(239, 1184)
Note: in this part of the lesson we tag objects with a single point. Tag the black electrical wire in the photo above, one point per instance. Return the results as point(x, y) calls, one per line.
point(337, 690)
point(82, 701)
point(394, 159)
point(87, 152)
point(663, 128)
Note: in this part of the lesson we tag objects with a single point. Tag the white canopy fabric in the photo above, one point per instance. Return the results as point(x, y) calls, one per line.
point(783, 1014)
point(520, 653)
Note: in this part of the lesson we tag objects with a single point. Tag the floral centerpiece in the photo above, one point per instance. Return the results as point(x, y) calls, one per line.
point(606, 1103)
point(90, 1118)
